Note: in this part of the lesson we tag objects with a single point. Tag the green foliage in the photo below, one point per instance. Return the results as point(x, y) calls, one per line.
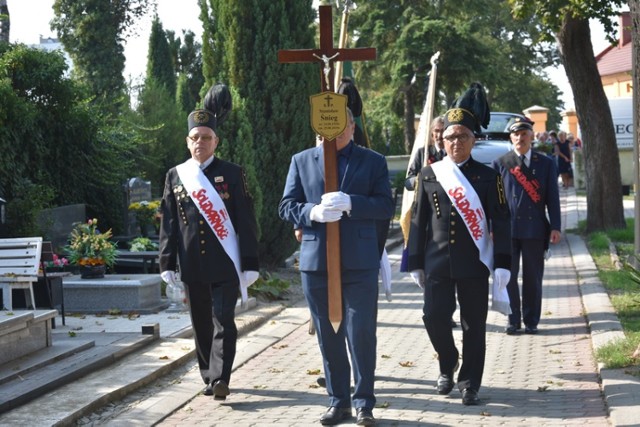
point(481, 33)
point(22, 210)
point(623, 287)
point(270, 289)
point(189, 69)
point(163, 143)
point(618, 354)
point(140, 244)
point(599, 241)
point(160, 65)
point(240, 149)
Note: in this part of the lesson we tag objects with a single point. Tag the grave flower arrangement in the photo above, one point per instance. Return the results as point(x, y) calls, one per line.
point(147, 213)
point(58, 263)
point(140, 244)
point(89, 247)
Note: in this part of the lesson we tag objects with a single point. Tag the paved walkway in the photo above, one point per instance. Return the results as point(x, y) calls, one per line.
point(548, 379)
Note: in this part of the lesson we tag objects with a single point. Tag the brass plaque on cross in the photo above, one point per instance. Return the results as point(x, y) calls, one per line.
point(328, 114)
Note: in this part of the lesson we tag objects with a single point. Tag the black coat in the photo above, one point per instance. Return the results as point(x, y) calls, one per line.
point(186, 236)
point(439, 241)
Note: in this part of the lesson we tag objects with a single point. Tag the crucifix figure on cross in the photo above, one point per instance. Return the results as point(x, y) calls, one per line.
point(327, 67)
point(326, 56)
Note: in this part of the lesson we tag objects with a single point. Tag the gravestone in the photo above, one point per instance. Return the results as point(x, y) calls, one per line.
point(136, 190)
point(57, 223)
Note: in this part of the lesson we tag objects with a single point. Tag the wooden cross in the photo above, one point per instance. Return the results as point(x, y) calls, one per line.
point(326, 56)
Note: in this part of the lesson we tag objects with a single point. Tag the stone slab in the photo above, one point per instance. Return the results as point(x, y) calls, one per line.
point(25, 332)
point(124, 292)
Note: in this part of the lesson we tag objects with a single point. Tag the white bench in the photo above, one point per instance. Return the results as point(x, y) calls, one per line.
point(19, 264)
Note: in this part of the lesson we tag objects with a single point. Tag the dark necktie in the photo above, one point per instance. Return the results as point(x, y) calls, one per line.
point(523, 160)
point(343, 160)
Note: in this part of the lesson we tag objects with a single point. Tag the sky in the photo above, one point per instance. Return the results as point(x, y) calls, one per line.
point(176, 15)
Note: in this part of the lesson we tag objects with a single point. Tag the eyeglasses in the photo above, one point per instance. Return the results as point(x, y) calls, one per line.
point(462, 138)
point(204, 138)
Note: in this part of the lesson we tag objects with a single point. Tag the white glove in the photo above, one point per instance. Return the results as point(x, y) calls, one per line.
point(322, 213)
point(337, 200)
point(251, 276)
point(169, 277)
point(418, 277)
point(501, 276)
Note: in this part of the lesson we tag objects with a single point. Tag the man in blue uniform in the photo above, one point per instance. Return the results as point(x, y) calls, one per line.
point(460, 233)
point(363, 199)
point(531, 187)
point(208, 226)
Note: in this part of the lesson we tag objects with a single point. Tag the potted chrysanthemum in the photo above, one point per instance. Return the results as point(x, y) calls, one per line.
point(90, 249)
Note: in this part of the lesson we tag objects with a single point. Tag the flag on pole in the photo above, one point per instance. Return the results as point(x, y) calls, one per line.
point(421, 140)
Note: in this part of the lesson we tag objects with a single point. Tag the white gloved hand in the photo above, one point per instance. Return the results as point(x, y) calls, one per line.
point(251, 276)
point(322, 213)
point(337, 200)
point(501, 276)
point(169, 277)
point(418, 277)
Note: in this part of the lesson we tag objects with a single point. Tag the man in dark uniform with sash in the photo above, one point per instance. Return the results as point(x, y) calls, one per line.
point(208, 226)
point(460, 234)
point(531, 187)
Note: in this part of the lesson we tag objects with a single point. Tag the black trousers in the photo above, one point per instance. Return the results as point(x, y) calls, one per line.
point(212, 308)
point(439, 305)
point(532, 253)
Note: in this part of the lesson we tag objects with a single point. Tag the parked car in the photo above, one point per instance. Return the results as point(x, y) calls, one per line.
point(494, 141)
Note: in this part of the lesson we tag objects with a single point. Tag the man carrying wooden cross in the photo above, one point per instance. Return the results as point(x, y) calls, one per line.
point(364, 196)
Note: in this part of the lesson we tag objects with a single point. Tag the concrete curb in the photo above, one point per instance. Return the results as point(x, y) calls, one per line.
point(621, 390)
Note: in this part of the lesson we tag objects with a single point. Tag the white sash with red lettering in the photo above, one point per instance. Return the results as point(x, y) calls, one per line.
point(214, 212)
point(466, 201)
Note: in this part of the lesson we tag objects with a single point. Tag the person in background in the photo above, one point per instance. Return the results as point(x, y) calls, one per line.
point(209, 229)
point(460, 233)
point(363, 199)
point(436, 152)
point(435, 149)
point(531, 186)
point(564, 153)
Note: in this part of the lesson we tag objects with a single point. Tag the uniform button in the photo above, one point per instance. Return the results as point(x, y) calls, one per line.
point(202, 252)
point(452, 241)
point(201, 231)
point(453, 223)
point(453, 232)
point(202, 242)
point(201, 222)
point(453, 213)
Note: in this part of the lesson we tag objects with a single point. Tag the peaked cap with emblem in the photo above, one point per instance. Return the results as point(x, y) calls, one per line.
point(471, 110)
point(521, 123)
point(217, 104)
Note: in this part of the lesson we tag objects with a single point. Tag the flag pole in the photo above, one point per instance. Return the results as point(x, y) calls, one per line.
point(421, 140)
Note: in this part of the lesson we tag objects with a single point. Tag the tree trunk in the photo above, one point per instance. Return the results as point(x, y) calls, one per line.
point(602, 162)
point(5, 21)
point(634, 7)
point(409, 120)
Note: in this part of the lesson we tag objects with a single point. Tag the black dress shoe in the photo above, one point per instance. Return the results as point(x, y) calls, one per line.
point(444, 384)
point(218, 389)
point(334, 415)
point(512, 329)
point(365, 417)
point(532, 330)
point(470, 397)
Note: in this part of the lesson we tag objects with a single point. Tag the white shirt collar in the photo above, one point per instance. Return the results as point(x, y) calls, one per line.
point(206, 163)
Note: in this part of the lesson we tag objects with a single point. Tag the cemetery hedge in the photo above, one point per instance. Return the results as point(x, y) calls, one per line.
point(57, 147)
